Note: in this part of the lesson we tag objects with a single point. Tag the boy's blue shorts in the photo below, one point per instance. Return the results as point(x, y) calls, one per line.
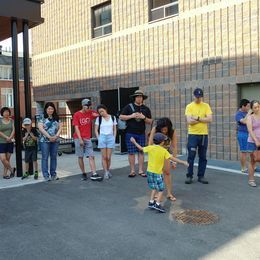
point(155, 181)
point(242, 141)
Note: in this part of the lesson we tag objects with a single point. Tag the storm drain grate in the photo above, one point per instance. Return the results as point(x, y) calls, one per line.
point(196, 217)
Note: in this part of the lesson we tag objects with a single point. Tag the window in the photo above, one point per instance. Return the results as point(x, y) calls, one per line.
point(163, 8)
point(7, 97)
point(6, 72)
point(102, 20)
point(62, 104)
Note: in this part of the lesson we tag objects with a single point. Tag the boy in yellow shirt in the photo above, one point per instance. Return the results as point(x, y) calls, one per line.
point(156, 158)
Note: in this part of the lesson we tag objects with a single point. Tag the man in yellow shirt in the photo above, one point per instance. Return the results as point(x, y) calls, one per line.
point(157, 155)
point(198, 116)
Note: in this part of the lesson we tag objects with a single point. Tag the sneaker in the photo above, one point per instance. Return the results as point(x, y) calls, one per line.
point(252, 183)
point(203, 180)
point(12, 174)
point(106, 176)
point(96, 177)
point(84, 177)
point(47, 179)
point(188, 180)
point(36, 175)
point(159, 208)
point(55, 178)
point(25, 175)
point(151, 205)
point(244, 171)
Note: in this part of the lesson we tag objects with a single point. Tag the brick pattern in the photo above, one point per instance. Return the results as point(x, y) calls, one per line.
point(166, 58)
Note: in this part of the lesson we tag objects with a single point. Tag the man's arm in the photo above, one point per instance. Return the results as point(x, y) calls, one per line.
point(191, 120)
point(207, 119)
point(127, 117)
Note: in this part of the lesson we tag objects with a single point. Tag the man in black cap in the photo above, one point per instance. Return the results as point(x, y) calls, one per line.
point(198, 116)
point(137, 115)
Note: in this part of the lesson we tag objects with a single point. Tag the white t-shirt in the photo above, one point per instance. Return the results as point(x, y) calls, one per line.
point(106, 127)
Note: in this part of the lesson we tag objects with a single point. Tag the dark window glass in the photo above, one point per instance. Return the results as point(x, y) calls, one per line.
point(102, 15)
point(158, 3)
point(163, 8)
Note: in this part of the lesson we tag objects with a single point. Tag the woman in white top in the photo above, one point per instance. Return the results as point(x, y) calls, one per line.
point(105, 130)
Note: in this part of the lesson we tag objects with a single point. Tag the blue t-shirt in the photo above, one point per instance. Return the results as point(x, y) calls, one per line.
point(51, 126)
point(241, 127)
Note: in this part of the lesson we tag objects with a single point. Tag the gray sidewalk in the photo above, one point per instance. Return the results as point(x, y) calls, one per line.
point(68, 166)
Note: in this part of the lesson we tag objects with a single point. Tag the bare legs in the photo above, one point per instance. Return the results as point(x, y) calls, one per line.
point(251, 168)
point(91, 164)
point(106, 158)
point(243, 160)
point(5, 159)
point(131, 159)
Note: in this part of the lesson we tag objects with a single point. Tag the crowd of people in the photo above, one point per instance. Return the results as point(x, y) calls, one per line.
point(161, 148)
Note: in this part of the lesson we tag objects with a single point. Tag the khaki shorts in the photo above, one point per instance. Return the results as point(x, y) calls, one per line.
point(85, 150)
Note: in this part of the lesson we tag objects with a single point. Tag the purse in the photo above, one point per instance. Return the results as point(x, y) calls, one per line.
point(256, 156)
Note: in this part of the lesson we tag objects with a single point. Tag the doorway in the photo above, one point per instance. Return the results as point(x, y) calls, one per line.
point(115, 100)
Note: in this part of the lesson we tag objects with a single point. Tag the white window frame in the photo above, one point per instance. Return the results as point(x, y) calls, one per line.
point(164, 7)
point(103, 29)
point(102, 26)
point(7, 98)
point(62, 104)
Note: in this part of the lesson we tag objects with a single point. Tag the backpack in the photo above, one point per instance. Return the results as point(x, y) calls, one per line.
point(121, 124)
point(100, 121)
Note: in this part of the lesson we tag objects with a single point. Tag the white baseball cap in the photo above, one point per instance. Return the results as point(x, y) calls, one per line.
point(27, 121)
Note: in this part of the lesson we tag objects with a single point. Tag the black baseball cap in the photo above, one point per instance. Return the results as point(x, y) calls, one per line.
point(159, 137)
point(198, 92)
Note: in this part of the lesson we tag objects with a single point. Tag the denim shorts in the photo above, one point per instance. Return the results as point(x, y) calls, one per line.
point(106, 141)
point(155, 181)
point(6, 147)
point(85, 150)
point(242, 141)
point(140, 139)
point(251, 147)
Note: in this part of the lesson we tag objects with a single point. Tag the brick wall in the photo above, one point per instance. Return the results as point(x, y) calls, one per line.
point(9, 84)
point(211, 43)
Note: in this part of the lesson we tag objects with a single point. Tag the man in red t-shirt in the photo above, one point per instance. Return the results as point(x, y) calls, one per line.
point(82, 121)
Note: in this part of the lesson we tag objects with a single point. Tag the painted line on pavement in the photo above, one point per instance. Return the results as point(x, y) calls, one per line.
point(227, 170)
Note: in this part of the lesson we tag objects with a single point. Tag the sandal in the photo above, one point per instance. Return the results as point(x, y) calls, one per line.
point(12, 174)
point(142, 174)
point(132, 175)
point(6, 177)
point(252, 183)
point(171, 198)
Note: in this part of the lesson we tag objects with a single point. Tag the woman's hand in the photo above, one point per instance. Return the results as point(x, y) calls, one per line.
point(53, 139)
point(8, 139)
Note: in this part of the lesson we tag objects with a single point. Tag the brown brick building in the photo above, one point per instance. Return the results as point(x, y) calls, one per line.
point(98, 48)
point(6, 83)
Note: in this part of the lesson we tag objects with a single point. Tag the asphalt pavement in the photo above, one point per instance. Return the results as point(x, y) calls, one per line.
point(73, 219)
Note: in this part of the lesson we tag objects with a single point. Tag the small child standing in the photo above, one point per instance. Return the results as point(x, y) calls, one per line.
point(156, 158)
point(30, 135)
